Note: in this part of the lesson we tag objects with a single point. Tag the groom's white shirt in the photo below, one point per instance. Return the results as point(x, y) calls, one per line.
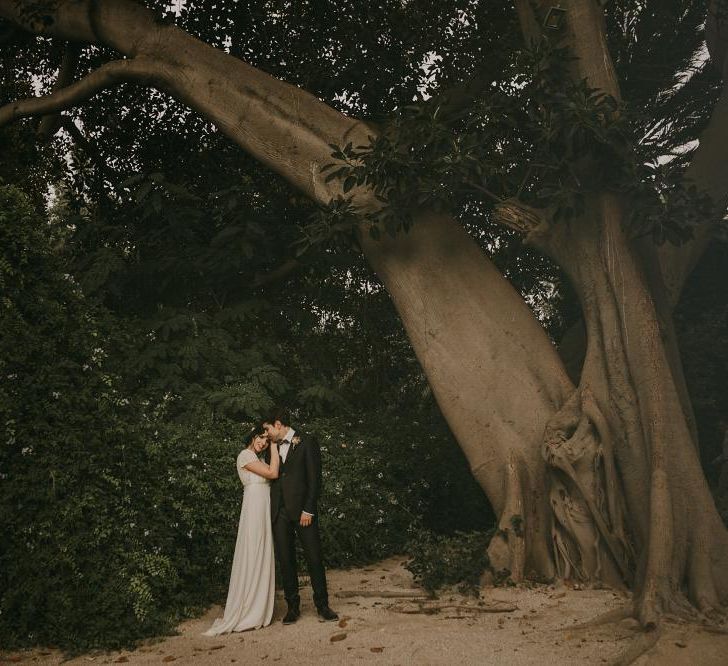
point(286, 444)
point(284, 448)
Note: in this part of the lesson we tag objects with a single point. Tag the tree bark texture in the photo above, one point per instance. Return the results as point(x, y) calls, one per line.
point(657, 501)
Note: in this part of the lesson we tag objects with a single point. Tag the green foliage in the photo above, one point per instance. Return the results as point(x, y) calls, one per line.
point(120, 511)
point(384, 474)
point(536, 136)
point(439, 561)
point(121, 431)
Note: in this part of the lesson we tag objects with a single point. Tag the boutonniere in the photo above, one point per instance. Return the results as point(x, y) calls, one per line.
point(295, 441)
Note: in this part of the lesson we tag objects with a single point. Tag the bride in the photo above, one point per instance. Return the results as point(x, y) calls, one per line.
point(249, 602)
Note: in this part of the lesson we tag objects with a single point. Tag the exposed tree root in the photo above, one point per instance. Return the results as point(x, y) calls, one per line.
point(647, 639)
point(614, 615)
point(384, 594)
point(430, 608)
point(679, 614)
point(713, 629)
point(643, 643)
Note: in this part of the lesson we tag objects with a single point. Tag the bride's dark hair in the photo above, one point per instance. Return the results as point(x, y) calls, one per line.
point(255, 432)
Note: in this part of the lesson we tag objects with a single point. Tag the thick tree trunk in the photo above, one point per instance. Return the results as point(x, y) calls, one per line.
point(668, 512)
point(496, 376)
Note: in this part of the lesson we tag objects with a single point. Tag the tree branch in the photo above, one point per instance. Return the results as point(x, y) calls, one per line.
point(284, 127)
point(50, 124)
point(520, 217)
point(107, 75)
point(586, 36)
point(125, 23)
point(530, 25)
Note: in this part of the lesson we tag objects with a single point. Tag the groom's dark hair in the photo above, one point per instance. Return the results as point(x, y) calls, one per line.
point(275, 414)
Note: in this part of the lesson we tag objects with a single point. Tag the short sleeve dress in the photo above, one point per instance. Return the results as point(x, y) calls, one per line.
point(250, 596)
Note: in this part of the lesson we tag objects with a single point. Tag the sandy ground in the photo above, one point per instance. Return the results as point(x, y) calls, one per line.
point(376, 630)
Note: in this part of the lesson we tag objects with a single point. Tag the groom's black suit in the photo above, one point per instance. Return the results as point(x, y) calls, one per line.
point(297, 490)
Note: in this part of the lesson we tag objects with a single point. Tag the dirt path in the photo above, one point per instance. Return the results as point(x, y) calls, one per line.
point(373, 631)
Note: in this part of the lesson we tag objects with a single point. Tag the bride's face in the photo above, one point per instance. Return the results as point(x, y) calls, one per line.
point(260, 443)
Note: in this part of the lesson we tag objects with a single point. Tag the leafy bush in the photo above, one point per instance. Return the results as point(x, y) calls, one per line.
point(114, 525)
point(440, 561)
point(384, 475)
point(119, 498)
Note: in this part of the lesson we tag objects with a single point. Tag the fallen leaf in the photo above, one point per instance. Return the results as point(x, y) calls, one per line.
point(342, 623)
point(376, 649)
point(169, 657)
point(217, 647)
point(121, 660)
point(681, 644)
point(337, 637)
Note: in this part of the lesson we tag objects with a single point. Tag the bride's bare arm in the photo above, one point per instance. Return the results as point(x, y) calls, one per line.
point(262, 469)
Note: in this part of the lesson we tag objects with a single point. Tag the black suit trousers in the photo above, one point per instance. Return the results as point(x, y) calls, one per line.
point(285, 528)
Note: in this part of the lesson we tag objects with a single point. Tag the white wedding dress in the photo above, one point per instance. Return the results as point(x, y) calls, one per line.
point(252, 580)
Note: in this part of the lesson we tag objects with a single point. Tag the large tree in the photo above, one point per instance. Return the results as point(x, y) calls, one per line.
point(594, 474)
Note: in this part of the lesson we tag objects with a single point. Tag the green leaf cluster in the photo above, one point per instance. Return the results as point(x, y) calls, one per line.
point(439, 561)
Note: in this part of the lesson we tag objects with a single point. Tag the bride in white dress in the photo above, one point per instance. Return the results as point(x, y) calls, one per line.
point(252, 580)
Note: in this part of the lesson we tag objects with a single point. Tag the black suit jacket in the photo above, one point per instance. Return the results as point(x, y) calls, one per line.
point(299, 481)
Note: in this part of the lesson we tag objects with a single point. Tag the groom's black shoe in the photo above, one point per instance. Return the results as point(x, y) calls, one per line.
point(292, 615)
point(325, 613)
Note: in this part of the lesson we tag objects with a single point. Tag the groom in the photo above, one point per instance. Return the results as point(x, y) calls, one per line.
point(294, 495)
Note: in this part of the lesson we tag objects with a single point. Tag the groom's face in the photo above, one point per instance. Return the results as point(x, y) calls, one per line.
point(275, 431)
